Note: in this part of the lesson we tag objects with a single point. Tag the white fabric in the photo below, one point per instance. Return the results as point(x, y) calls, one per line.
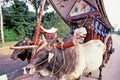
point(80, 31)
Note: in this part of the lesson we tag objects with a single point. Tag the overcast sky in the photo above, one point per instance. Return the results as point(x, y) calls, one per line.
point(113, 11)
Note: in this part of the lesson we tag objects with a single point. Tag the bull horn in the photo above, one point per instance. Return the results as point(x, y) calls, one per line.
point(43, 37)
point(23, 47)
point(28, 41)
point(44, 43)
point(51, 30)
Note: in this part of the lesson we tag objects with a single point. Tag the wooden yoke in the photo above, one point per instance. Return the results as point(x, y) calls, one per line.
point(37, 32)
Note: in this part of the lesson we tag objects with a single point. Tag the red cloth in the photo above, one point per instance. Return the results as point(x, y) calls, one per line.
point(49, 35)
point(65, 45)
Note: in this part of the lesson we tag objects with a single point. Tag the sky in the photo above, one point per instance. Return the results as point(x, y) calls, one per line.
point(112, 8)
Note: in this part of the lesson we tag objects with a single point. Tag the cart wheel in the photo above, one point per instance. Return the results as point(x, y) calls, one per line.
point(109, 48)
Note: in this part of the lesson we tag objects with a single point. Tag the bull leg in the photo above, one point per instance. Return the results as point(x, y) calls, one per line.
point(88, 75)
point(108, 57)
point(75, 79)
point(100, 74)
point(78, 78)
point(104, 59)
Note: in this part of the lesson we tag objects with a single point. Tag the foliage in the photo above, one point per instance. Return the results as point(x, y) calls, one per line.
point(20, 23)
point(37, 5)
point(10, 35)
point(53, 20)
point(113, 31)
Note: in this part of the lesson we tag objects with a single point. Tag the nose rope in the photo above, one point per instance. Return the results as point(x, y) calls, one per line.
point(41, 62)
point(63, 56)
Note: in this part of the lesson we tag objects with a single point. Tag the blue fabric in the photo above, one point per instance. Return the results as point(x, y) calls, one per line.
point(96, 24)
point(100, 29)
point(73, 26)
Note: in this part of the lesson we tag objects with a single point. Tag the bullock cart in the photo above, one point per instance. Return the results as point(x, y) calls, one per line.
point(93, 15)
point(89, 13)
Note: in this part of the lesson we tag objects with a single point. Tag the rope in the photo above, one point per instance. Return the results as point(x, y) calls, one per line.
point(63, 62)
point(63, 55)
point(52, 72)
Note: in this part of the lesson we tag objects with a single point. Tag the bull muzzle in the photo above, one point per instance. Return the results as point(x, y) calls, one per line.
point(13, 56)
point(30, 69)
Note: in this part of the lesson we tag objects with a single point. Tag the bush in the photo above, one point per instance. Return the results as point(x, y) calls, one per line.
point(11, 35)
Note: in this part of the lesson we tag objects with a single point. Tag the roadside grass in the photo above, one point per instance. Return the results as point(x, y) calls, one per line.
point(6, 50)
point(8, 44)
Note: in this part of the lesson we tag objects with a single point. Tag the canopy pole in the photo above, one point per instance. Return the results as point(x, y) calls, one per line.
point(37, 29)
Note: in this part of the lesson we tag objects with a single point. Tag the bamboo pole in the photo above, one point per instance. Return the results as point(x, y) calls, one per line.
point(39, 23)
point(1, 26)
point(37, 32)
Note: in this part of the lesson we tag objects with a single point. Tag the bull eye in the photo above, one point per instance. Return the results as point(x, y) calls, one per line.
point(24, 41)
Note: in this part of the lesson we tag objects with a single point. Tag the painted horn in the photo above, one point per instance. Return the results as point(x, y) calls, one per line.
point(44, 43)
point(51, 30)
point(23, 47)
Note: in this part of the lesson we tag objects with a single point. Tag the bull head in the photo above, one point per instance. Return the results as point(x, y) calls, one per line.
point(21, 52)
point(42, 55)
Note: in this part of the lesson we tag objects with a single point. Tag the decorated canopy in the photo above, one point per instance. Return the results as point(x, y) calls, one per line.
point(74, 10)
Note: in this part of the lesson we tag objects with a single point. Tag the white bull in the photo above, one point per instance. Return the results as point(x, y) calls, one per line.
point(89, 57)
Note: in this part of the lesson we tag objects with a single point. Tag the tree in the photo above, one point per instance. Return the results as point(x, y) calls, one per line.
point(19, 19)
point(53, 20)
point(20, 23)
point(37, 5)
point(1, 26)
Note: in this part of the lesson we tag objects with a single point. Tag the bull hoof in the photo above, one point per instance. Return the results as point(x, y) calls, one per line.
point(99, 78)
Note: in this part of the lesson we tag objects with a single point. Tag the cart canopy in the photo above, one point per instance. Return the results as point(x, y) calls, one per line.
point(74, 10)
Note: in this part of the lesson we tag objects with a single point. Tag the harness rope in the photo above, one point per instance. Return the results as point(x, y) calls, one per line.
point(63, 55)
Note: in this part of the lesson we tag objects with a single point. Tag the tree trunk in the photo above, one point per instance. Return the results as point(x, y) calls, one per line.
point(1, 26)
